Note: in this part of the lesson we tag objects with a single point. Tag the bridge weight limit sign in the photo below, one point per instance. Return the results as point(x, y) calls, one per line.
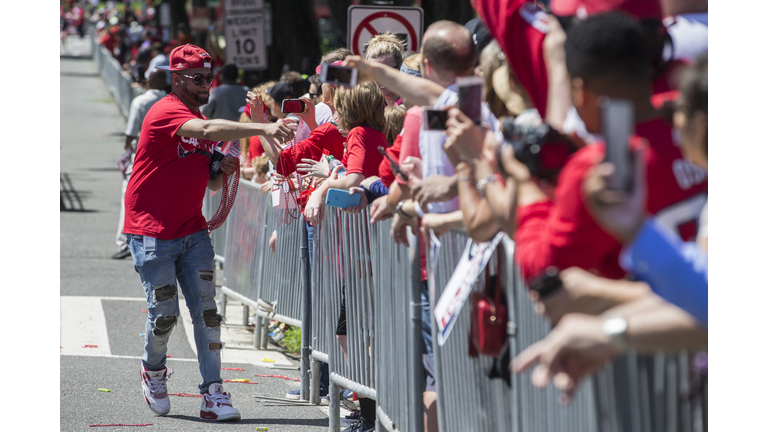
point(363, 22)
point(244, 31)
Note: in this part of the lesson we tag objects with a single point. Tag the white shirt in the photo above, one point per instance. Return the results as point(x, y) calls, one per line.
point(433, 157)
point(139, 108)
point(689, 34)
point(323, 114)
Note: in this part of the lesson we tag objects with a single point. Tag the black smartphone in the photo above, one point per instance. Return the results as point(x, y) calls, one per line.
point(433, 119)
point(547, 283)
point(293, 106)
point(339, 75)
point(395, 166)
point(470, 90)
point(618, 124)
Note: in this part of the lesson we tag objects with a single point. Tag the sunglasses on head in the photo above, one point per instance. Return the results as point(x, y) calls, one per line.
point(314, 94)
point(198, 78)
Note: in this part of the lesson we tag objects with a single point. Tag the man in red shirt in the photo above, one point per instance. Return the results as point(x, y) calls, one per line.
point(166, 231)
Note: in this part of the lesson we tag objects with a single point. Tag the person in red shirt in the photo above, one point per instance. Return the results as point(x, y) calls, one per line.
point(605, 56)
point(166, 230)
point(361, 120)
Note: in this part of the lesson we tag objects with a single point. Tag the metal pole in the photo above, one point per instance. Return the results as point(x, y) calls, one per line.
point(417, 339)
point(306, 313)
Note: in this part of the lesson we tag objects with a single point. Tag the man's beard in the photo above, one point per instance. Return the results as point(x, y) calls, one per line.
point(200, 99)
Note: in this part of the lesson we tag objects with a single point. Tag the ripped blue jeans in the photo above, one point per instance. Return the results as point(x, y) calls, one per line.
point(188, 260)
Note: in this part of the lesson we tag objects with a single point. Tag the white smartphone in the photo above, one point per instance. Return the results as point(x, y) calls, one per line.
point(339, 75)
point(470, 90)
point(618, 124)
point(433, 119)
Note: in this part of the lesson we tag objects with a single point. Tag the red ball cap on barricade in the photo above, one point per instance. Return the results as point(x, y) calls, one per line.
point(187, 57)
point(640, 9)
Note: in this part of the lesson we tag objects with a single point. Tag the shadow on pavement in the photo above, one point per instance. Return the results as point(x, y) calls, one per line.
point(259, 421)
point(70, 199)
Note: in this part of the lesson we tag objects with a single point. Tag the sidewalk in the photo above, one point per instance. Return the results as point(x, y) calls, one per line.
point(102, 298)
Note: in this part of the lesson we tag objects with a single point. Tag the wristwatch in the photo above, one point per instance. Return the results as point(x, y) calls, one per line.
point(399, 210)
point(615, 328)
point(484, 182)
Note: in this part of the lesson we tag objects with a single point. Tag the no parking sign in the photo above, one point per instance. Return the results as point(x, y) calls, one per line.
point(363, 22)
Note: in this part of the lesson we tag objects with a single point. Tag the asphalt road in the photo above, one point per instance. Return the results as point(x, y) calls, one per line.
point(102, 299)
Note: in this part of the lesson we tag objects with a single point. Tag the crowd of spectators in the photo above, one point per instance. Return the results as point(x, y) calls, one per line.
point(631, 262)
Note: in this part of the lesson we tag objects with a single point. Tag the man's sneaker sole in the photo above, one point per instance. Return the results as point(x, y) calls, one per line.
point(160, 413)
point(207, 415)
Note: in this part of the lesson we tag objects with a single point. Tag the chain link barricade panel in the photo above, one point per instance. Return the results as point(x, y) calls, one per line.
point(247, 238)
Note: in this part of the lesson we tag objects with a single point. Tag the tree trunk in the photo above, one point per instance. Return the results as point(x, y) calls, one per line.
point(459, 11)
point(294, 37)
point(179, 18)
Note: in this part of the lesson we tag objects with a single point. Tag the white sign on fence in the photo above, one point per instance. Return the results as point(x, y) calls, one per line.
point(246, 42)
point(363, 22)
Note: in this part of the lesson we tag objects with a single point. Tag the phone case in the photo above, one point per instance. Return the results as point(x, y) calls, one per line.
point(341, 198)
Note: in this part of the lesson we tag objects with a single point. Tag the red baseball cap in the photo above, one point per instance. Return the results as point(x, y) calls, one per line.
point(187, 57)
point(319, 67)
point(639, 9)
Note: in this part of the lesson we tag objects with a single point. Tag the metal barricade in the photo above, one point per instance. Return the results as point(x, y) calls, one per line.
point(399, 339)
point(496, 406)
point(115, 79)
point(211, 201)
point(347, 275)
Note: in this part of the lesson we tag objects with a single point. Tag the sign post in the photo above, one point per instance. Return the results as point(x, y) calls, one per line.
point(364, 22)
point(244, 26)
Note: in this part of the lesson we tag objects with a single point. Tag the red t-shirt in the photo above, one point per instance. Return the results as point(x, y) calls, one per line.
point(563, 234)
point(362, 156)
point(164, 198)
point(520, 27)
point(255, 149)
point(386, 174)
point(325, 137)
point(410, 144)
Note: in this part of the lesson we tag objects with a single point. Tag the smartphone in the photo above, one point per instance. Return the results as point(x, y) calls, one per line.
point(395, 166)
point(433, 119)
point(340, 75)
point(547, 283)
point(341, 198)
point(470, 90)
point(618, 124)
point(293, 106)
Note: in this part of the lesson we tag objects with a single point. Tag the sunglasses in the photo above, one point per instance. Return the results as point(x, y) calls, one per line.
point(198, 78)
point(315, 94)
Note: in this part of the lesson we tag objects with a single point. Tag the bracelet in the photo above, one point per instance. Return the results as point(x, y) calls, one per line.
point(466, 178)
point(399, 210)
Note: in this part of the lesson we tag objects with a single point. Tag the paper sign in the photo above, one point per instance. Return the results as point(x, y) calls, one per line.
point(472, 262)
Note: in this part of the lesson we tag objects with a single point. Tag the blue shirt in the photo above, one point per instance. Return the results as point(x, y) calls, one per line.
point(677, 271)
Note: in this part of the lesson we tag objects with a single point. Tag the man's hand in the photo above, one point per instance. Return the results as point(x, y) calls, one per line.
point(574, 349)
point(308, 115)
point(256, 102)
point(273, 241)
point(361, 205)
point(228, 165)
point(364, 68)
point(398, 229)
point(578, 294)
point(435, 188)
point(435, 222)
point(318, 169)
point(278, 130)
point(464, 137)
point(379, 210)
point(620, 213)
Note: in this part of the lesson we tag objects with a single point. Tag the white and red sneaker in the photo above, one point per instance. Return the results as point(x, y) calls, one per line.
point(217, 406)
point(155, 391)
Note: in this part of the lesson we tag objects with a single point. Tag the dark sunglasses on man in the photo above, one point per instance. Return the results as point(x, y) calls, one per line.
point(198, 78)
